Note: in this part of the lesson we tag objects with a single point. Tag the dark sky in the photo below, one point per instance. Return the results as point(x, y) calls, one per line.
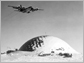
point(63, 19)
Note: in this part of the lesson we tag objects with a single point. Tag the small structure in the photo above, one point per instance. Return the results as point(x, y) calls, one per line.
point(11, 51)
point(65, 55)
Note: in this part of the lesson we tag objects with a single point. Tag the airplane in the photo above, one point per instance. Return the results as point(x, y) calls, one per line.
point(22, 9)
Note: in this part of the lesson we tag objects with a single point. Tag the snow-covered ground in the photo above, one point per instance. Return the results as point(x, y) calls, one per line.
point(32, 57)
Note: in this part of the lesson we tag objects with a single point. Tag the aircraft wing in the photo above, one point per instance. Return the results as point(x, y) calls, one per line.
point(13, 7)
point(40, 9)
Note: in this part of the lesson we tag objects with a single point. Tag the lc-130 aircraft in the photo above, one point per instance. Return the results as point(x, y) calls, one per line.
point(22, 9)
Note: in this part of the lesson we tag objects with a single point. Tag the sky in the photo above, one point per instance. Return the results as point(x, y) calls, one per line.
point(62, 19)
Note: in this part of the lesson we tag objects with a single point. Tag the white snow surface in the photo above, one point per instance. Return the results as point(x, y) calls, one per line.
point(22, 56)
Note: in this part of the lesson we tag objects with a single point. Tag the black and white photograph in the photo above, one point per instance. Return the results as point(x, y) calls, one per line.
point(42, 31)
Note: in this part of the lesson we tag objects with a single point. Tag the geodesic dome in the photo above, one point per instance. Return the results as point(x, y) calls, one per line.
point(47, 44)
